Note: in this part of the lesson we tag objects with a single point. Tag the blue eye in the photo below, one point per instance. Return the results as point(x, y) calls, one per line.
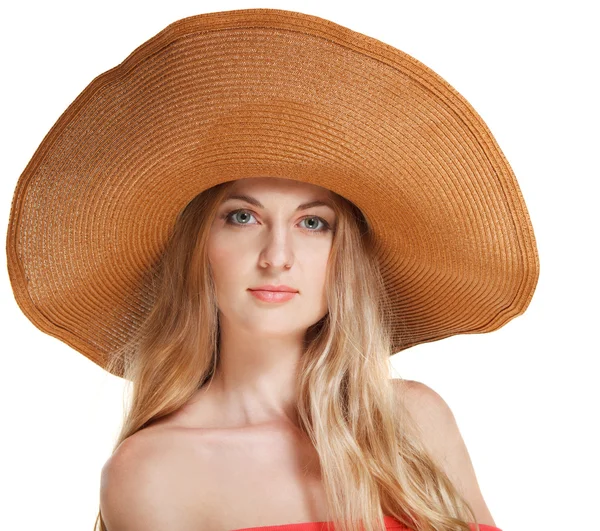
point(229, 218)
point(324, 224)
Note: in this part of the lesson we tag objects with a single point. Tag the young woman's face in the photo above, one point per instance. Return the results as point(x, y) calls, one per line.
point(266, 239)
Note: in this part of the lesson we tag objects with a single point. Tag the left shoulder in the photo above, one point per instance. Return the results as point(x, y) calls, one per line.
point(442, 438)
point(433, 415)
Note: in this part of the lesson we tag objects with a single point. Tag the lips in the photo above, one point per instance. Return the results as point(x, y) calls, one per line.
point(273, 296)
point(274, 288)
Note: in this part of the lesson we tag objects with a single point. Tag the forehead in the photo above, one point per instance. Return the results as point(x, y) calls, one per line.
point(278, 184)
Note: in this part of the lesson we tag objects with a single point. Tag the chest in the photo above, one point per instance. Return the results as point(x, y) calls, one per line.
point(248, 480)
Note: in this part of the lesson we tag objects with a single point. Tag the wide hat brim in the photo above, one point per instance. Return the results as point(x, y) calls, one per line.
point(268, 92)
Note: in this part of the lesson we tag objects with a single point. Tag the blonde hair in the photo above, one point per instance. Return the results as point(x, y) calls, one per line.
point(371, 459)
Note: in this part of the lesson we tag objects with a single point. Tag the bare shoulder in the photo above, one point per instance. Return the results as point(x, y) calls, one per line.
point(443, 440)
point(131, 490)
point(138, 488)
point(427, 407)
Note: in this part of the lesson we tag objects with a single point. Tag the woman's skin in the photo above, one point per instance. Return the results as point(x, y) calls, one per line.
point(261, 342)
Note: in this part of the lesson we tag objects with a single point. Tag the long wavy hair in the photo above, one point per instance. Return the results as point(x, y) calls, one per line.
point(371, 458)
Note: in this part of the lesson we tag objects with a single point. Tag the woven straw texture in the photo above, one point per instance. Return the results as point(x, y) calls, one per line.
point(268, 92)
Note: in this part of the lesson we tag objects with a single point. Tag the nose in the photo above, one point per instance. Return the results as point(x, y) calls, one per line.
point(277, 251)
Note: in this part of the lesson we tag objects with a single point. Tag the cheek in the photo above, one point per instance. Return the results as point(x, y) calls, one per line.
point(224, 265)
point(219, 255)
point(224, 261)
point(315, 272)
point(315, 281)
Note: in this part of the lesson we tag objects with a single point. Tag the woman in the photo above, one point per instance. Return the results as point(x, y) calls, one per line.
point(238, 451)
point(249, 407)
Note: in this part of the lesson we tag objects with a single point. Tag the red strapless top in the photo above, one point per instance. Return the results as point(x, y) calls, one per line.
point(390, 523)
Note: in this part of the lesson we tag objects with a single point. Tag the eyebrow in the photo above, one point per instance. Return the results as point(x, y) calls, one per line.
point(257, 203)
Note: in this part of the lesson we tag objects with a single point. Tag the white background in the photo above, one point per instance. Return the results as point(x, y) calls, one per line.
point(526, 396)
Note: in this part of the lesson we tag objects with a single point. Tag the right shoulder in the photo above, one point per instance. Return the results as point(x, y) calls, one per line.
point(130, 489)
point(135, 486)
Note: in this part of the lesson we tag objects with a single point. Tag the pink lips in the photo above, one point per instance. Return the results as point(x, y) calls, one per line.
point(271, 287)
point(273, 296)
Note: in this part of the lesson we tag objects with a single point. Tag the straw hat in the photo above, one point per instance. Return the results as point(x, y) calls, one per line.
point(268, 92)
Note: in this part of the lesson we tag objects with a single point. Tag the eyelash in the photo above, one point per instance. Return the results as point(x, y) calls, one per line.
point(228, 219)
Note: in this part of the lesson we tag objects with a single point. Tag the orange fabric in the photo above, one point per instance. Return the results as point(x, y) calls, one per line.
point(390, 523)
